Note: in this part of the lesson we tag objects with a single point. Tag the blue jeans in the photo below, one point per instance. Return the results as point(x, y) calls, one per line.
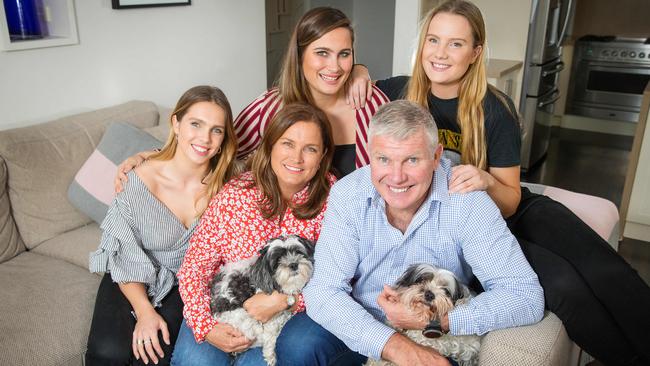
point(304, 342)
point(189, 353)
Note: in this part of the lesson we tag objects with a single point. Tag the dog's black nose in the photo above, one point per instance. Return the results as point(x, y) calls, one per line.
point(429, 296)
point(293, 266)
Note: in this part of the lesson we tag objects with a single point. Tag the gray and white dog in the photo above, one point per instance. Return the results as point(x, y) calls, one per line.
point(432, 292)
point(285, 265)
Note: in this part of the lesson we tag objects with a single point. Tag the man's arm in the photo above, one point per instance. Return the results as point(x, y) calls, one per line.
point(327, 294)
point(513, 295)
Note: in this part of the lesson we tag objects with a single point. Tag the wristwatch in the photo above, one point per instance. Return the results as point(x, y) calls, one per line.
point(290, 300)
point(433, 329)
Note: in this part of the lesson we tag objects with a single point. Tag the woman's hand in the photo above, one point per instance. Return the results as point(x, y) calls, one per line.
point(145, 336)
point(358, 87)
point(228, 339)
point(263, 307)
point(398, 314)
point(468, 178)
point(126, 166)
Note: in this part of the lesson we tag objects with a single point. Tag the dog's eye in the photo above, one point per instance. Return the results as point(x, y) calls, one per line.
point(447, 292)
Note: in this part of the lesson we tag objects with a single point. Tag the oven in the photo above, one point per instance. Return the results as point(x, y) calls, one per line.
point(608, 78)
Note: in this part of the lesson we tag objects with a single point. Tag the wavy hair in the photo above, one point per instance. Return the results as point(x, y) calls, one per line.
point(272, 204)
point(222, 166)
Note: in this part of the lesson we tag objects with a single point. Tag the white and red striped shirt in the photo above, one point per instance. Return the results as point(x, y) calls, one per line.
point(253, 120)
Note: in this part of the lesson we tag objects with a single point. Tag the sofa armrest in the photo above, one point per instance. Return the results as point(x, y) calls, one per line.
point(543, 343)
point(600, 214)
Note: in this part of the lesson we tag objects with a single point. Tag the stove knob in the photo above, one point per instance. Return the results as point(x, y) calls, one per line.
point(605, 53)
point(641, 55)
point(632, 54)
point(614, 53)
point(623, 54)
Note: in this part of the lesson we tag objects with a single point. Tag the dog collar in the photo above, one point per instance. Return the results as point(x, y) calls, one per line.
point(433, 329)
point(290, 300)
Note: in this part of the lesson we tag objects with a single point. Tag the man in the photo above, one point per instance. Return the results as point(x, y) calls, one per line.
point(397, 212)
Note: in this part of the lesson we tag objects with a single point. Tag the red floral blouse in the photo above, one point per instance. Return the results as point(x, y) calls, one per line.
point(232, 228)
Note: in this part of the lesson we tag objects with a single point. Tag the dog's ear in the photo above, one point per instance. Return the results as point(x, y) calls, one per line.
point(309, 245)
point(262, 274)
point(264, 249)
point(416, 273)
point(461, 291)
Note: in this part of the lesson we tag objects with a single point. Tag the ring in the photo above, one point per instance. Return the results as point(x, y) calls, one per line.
point(139, 341)
point(146, 341)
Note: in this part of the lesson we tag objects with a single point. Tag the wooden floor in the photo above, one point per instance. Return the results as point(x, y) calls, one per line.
point(592, 163)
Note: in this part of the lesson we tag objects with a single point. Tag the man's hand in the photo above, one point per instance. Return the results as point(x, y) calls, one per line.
point(398, 314)
point(402, 351)
point(228, 339)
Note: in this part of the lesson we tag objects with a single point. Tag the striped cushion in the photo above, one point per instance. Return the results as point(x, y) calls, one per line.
point(91, 191)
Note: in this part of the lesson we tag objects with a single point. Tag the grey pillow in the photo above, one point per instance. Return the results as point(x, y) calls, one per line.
point(91, 191)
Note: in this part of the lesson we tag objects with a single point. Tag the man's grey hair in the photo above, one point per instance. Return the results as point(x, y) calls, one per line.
point(402, 119)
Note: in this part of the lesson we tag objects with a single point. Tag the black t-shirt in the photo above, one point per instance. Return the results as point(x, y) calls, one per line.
point(502, 131)
point(344, 159)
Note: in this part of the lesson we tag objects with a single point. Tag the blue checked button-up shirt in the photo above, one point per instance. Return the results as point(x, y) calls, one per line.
point(358, 252)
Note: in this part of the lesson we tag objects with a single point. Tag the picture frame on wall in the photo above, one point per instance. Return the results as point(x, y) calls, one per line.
point(129, 4)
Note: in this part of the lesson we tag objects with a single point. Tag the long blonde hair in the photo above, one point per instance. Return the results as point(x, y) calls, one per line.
point(473, 85)
point(313, 25)
point(221, 167)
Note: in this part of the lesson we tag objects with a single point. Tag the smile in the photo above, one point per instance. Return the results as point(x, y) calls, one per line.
point(293, 169)
point(200, 149)
point(440, 66)
point(329, 78)
point(398, 190)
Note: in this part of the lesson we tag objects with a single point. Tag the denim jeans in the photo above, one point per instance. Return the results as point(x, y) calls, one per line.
point(304, 342)
point(189, 353)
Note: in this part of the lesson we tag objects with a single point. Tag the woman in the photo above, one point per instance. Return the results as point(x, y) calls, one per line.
point(600, 299)
point(147, 229)
point(285, 192)
point(316, 67)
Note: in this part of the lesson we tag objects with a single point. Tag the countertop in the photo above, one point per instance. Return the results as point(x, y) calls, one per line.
point(496, 68)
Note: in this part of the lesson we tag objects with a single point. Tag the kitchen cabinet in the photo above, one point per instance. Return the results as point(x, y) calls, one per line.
point(61, 26)
point(635, 205)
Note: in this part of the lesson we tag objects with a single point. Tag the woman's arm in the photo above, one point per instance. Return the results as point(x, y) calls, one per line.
point(501, 184)
point(145, 341)
point(127, 165)
point(358, 87)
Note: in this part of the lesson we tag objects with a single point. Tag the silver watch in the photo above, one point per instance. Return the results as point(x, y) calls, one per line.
point(290, 300)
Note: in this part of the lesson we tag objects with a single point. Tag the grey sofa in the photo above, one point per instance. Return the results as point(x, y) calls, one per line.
point(46, 292)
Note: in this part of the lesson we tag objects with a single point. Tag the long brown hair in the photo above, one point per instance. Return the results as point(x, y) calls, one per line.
point(473, 85)
point(313, 25)
point(221, 167)
point(272, 204)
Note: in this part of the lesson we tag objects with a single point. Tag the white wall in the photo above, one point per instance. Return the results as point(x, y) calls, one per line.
point(407, 15)
point(374, 22)
point(151, 54)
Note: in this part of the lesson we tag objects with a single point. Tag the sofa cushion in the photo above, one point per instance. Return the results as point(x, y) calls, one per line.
point(92, 189)
point(543, 344)
point(73, 246)
point(10, 242)
point(46, 306)
point(43, 159)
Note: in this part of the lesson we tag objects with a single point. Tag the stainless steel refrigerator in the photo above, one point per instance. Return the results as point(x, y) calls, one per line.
point(549, 21)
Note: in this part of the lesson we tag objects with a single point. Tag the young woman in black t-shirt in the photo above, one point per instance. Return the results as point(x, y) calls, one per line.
point(601, 300)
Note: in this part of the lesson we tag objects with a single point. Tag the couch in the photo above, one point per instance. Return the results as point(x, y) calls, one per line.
point(46, 291)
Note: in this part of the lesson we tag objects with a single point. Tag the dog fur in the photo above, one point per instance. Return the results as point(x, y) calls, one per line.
point(285, 265)
point(432, 292)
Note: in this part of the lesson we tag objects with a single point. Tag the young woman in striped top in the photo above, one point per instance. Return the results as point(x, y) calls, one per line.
point(146, 231)
point(316, 67)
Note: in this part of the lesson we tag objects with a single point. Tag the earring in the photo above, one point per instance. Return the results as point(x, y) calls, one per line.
point(219, 150)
